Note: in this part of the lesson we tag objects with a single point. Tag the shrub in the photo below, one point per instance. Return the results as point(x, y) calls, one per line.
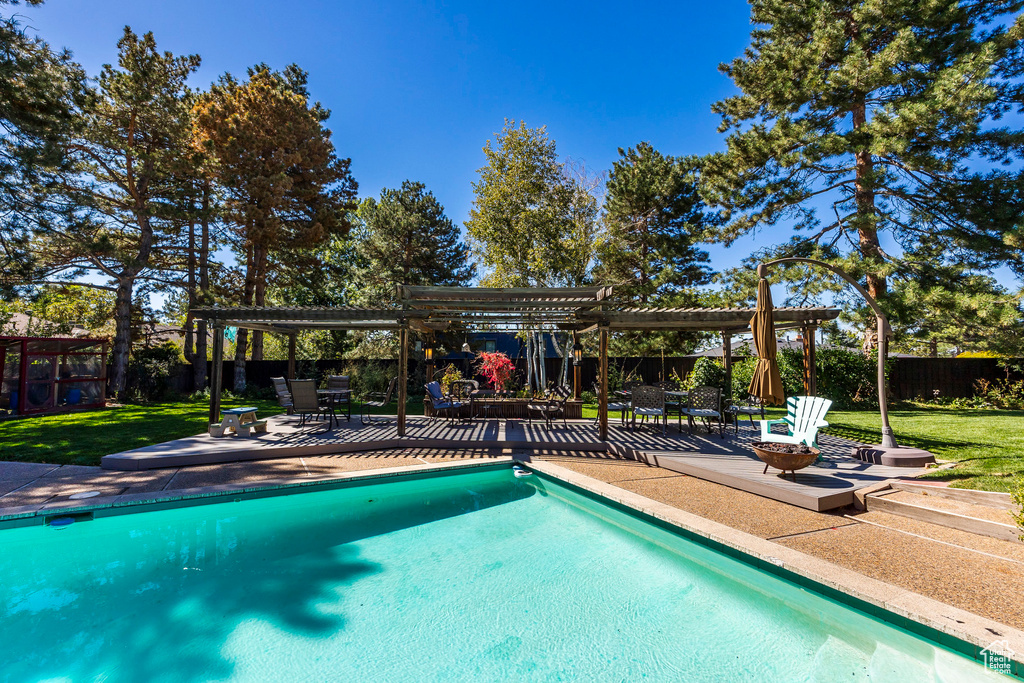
point(451, 374)
point(707, 372)
point(366, 376)
point(496, 368)
point(849, 378)
point(1003, 393)
point(150, 370)
point(588, 397)
point(742, 373)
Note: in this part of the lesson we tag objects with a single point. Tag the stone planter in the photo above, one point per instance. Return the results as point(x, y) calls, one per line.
point(787, 462)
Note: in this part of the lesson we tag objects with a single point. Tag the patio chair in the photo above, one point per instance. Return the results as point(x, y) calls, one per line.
point(284, 397)
point(442, 402)
point(750, 407)
point(551, 406)
point(305, 402)
point(805, 415)
point(377, 400)
point(340, 383)
point(647, 402)
point(673, 404)
point(621, 407)
point(703, 403)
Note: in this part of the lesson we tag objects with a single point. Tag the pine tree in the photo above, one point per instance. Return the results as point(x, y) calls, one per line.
point(860, 118)
point(653, 218)
point(120, 191)
point(284, 186)
point(40, 92)
point(405, 238)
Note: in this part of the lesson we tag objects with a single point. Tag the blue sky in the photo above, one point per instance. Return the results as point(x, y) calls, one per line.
point(416, 88)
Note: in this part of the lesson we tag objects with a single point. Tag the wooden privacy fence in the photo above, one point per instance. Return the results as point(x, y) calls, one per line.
point(909, 378)
point(928, 378)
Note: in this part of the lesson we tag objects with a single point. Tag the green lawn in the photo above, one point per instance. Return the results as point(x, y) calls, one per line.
point(85, 437)
point(988, 445)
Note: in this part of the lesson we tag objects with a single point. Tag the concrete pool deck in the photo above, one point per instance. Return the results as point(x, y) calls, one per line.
point(970, 582)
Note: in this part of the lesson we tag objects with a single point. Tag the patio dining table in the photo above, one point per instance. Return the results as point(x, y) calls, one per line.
point(336, 397)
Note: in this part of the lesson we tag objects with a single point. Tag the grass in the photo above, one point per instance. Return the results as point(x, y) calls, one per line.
point(987, 445)
point(83, 438)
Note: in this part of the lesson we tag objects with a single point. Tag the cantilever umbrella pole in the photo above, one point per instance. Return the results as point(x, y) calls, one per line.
point(884, 333)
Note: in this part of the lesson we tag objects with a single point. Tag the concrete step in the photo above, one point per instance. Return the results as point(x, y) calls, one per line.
point(994, 499)
point(976, 518)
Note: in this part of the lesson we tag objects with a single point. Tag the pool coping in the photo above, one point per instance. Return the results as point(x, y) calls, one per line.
point(951, 627)
point(106, 506)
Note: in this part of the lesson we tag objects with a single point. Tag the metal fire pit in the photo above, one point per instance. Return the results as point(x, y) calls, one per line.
point(787, 462)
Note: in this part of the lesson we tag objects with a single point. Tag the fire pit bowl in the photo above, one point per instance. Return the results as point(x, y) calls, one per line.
point(784, 456)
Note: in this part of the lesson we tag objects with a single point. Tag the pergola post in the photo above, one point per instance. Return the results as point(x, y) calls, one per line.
point(727, 361)
point(602, 406)
point(810, 360)
point(216, 372)
point(291, 354)
point(428, 354)
point(577, 369)
point(403, 374)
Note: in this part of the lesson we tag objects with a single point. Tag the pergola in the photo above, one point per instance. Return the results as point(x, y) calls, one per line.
point(435, 309)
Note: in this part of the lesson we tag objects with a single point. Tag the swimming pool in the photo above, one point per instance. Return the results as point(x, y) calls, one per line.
point(472, 576)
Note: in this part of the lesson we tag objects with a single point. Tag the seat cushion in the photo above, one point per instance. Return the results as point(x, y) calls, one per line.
point(649, 411)
point(745, 410)
point(701, 412)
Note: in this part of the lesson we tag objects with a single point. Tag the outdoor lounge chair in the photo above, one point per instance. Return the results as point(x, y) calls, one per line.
point(703, 403)
point(649, 402)
point(442, 402)
point(377, 400)
point(284, 397)
point(305, 402)
point(805, 415)
point(551, 406)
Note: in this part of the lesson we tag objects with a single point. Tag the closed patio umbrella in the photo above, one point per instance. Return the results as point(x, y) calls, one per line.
point(767, 382)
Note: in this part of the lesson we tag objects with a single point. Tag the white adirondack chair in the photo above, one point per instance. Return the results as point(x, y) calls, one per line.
point(805, 415)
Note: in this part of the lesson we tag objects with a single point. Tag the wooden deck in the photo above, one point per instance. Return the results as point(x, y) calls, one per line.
point(827, 485)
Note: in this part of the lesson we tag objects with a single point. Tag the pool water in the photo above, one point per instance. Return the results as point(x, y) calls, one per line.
point(476, 577)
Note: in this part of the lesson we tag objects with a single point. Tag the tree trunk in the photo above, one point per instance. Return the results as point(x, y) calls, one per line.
point(260, 297)
point(122, 336)
point(242, 337)
point(864, 196)
point(199, 358)
point(542, 370)
point(529, 361)
point(190, 290)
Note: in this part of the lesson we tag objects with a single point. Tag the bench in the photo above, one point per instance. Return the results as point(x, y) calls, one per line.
point(246, 429)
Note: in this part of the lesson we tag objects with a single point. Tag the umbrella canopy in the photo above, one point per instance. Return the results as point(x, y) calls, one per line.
point(767, 382)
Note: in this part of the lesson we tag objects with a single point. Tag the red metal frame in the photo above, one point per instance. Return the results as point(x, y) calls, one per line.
point(57, 350)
